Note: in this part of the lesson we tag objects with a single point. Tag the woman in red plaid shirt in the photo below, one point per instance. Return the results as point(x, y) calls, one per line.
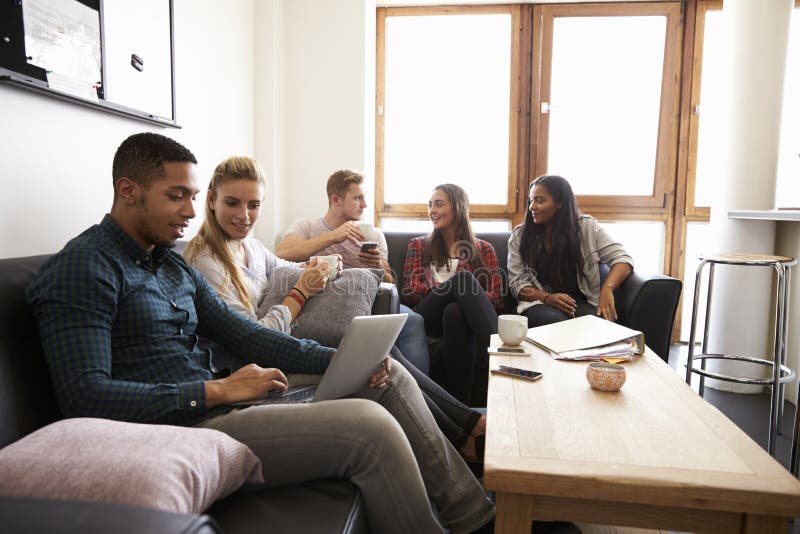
point(451, 279)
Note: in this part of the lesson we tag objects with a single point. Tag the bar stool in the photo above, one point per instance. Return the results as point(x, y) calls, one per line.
point(781, 374)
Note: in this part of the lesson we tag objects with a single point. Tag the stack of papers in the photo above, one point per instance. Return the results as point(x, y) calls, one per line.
point(587, 338)
point(621, 350)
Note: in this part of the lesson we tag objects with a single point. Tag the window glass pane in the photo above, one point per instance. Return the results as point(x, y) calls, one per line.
point(423, 226)
point(605, 101)
point(447, 94)
point(697, 242)
point(644, 241)
point(714, 106)
point(787, 190)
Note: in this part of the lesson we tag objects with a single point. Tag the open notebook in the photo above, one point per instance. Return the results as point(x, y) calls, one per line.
point(587, 338)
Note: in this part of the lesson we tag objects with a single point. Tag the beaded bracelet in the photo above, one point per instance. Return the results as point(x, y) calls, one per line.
point(547, 297)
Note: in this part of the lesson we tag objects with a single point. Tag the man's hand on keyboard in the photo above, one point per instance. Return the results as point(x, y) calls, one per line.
point(251, 382)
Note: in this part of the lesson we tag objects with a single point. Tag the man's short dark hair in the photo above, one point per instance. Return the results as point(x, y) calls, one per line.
point(141, 156)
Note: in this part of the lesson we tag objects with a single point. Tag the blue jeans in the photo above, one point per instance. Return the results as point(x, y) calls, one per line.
point(413, 342)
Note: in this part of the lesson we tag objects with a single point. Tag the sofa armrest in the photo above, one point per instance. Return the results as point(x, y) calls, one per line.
point(387, 300)
point(648, 303)
point(29, 515)
point(331, 506)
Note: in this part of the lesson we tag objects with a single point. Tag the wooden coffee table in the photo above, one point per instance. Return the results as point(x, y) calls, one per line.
point(654, 454)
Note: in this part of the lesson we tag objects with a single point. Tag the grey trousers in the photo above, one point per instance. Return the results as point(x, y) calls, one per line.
point(385, 441)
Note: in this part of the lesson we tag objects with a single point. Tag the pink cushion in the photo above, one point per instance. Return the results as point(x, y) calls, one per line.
point(170, 468)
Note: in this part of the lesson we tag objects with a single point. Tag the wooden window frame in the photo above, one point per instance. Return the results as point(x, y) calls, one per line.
point(517, 110)
point(658, 205)
point(693, 213)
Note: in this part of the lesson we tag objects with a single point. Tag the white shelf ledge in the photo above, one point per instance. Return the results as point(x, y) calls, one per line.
point(766, 215)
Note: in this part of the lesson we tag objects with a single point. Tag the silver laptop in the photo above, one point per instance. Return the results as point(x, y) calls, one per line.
point(365, 344)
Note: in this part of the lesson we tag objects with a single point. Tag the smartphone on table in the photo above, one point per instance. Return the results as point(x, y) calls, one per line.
point(508, 351)
point(517, 372)
point(368, 245)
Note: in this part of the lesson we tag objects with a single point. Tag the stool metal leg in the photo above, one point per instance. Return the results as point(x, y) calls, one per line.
point(777, 352)
point(796, 430)
point(795, 437)
point(711, 269)
point(785, 329)
point(693, 328)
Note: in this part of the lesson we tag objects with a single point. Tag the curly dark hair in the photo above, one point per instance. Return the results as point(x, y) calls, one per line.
point(565, 255)
point(141, 156)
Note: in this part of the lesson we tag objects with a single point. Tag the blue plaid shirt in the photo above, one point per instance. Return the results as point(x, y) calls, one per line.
point(119, 330)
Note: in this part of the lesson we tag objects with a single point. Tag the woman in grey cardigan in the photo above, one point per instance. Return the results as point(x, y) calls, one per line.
point(554, 257)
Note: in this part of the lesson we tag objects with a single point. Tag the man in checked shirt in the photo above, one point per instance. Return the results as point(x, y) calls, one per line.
point(120, 314)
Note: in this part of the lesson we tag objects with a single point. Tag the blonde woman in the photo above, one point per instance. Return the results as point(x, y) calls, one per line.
point(240, 267)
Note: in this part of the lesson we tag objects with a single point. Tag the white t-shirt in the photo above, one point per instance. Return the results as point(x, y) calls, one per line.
point(349, 248)
point(261, 265)
point(442, 275)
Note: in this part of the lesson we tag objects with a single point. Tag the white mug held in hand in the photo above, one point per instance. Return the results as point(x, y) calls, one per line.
point(333, 264)
point(366, 230)
point(512, 328)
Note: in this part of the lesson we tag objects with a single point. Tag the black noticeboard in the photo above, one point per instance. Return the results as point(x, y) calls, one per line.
point(112, 55)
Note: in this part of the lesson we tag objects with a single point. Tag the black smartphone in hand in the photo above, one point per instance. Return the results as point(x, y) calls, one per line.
point(368, 245)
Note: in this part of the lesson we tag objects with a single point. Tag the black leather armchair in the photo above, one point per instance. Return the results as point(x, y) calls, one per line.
point(387, 300)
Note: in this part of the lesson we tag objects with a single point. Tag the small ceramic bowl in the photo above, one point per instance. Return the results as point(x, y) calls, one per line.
point(605, 376)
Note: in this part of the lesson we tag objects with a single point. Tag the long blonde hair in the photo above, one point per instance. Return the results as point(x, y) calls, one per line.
point(212, 236)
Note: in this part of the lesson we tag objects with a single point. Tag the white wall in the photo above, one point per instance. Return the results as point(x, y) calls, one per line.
point(269, 115)
point(288, 81)
point(55, 157)
point(321, 100)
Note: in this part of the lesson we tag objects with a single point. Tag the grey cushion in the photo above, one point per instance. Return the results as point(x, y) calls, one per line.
point(325, 317)
point(170, 468)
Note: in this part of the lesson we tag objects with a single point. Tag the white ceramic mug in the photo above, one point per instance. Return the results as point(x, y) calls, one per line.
point(366, 230)
point(333, 264)
point(512, 328)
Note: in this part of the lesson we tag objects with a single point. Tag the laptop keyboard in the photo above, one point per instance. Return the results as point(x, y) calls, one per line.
point(299, 395)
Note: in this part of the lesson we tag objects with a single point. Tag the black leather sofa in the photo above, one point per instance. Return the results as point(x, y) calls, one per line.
point(645, 302)
point(27, 403)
